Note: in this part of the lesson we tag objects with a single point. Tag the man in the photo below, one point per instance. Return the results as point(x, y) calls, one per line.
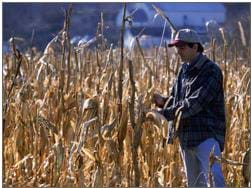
point(199, 97)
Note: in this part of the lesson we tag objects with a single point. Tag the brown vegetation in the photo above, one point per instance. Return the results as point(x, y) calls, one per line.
point(62, 125)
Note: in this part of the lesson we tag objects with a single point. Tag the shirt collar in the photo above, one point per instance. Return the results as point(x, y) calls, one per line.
point(198, 61)
point(193, 62)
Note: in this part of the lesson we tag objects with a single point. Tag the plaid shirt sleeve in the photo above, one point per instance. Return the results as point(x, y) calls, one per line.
point(200, 97)
point(170, 99)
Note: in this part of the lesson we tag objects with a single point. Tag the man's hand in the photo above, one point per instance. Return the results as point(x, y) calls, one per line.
point(159, 100)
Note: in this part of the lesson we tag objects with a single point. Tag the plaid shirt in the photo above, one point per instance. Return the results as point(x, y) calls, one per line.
point(198, 93)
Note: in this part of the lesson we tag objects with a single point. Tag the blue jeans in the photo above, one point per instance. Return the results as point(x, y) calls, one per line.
point(196, 161)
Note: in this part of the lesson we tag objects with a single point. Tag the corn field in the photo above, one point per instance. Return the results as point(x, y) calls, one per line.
point(78, 116)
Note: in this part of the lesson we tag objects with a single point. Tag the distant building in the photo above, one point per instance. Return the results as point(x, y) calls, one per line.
point(189, 15)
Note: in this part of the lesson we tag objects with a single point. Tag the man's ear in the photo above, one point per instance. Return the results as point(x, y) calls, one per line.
point(196, 46)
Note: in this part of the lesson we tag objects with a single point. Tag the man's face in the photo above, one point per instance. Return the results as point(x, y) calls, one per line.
point(186, 53)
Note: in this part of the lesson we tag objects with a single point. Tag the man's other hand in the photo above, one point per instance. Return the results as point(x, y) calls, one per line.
point(159, 100)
